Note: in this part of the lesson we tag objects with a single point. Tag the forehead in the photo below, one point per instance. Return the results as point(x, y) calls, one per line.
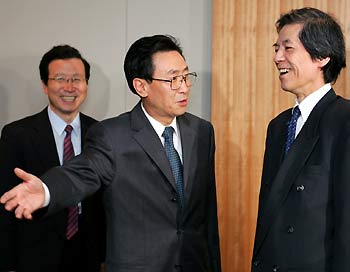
point(289, 33)
point(169, 62)
point(67, 65)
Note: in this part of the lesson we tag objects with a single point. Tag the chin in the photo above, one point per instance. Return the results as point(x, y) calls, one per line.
point(180, 112)
point(286, 88)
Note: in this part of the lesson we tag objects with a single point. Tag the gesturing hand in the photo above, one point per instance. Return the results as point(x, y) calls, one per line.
point(26, 197)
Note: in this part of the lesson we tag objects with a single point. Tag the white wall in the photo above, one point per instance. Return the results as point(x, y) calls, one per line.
point(102, 31)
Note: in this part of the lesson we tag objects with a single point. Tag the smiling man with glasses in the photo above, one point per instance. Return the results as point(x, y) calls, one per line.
point(155, 165)
point(37, 143)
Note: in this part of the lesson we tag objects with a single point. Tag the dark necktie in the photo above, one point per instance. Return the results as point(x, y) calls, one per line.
point(68, 153)
point(175, 163)
point(292, 124)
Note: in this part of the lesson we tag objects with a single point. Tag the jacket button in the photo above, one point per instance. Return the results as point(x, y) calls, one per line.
point(174, 199)
point(290, 229)
point(275, 268)
point(300, 188)
point(256, 263)
point(178, 267)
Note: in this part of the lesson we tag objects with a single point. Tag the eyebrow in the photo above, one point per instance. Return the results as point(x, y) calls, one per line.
point(283, 42)
point(171, 71)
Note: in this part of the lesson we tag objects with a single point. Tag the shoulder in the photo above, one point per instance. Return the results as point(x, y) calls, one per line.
point(87, 120)
point(339, 106)
point(112, 125)
point(24, 124)
point(337, 112)
point(194, 121)
point(281, 119)
point(190, 124)
point(117, 121)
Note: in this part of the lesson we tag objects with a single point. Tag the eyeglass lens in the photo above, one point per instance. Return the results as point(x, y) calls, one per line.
point(177, 81)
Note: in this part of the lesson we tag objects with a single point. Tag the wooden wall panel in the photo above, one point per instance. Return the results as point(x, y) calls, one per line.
point(246, 95)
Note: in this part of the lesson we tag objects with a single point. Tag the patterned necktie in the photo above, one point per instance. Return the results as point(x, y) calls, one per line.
point(175, 163)
point(292, 124)
point(68, 153)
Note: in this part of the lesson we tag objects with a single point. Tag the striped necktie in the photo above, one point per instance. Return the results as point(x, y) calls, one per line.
point(68, 153)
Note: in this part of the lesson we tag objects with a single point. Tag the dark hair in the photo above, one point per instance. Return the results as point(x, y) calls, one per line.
point(57, 53)
point(321, 36)
point(138, 61)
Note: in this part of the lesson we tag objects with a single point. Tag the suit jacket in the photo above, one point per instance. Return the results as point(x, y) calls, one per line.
point(37, 245)
point(304, 206)
point(146, 229)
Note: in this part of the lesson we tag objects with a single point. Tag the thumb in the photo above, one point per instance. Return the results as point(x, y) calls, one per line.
point(23, 175)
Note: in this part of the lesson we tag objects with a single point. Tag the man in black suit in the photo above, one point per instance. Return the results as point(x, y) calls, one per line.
point(158, 218)
point(303, 221)
point(35, 144)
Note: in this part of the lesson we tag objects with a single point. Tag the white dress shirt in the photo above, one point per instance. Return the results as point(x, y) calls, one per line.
point(58, 126)
point(159, 128)
point(307, 105)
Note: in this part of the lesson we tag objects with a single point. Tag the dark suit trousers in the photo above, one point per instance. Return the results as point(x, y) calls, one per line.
point(76, 255)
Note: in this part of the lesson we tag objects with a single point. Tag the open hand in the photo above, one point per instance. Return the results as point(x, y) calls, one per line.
point(26, 197)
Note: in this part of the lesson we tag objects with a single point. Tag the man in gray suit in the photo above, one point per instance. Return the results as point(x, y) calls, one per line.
point(158, 219)
point(304, 206)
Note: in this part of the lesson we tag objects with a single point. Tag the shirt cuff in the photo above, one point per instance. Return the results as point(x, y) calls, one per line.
point(47, 196)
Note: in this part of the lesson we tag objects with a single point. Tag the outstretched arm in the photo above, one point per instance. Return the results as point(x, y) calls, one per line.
point(26, 197)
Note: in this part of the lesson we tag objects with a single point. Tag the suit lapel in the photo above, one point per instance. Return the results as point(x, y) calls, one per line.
point(188, 142)
point(290, 168)
point(44, 141)
point(148, 139)
point(85, 123)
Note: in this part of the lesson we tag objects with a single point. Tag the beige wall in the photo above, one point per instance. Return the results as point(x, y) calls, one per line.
point(245, 96)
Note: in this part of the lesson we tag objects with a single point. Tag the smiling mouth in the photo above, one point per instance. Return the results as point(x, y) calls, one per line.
point(68, 98)
point(283, 71)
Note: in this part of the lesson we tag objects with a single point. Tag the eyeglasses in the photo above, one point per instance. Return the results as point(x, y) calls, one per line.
point(76, 80)
point(176, 81)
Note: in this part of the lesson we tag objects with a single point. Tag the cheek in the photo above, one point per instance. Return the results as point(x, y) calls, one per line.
point(83, 94)
point(52, 94)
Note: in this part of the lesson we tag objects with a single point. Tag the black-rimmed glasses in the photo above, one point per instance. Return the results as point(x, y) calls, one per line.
point(176, 81)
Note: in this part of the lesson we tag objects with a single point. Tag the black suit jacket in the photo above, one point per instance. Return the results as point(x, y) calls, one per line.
point(304, 206)
point(146, 230)
point(37, 245)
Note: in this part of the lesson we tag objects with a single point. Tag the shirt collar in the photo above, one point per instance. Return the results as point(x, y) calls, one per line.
point(309, 102)
point(158, 126)
point(59, 125)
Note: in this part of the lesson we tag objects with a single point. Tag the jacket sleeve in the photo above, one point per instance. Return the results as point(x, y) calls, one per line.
point(213, 229)
point(341, 199)
point(83, 175)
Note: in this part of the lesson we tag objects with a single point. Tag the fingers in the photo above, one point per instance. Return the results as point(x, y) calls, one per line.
point(10, 204)
point(21, 212)
point(10, 195)
point(8, 198)
point(26, 197)
point(27, 214)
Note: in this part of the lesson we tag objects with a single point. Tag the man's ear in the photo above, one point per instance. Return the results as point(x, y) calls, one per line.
point(44, 87)
point(140, 86)
point(323, 62)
